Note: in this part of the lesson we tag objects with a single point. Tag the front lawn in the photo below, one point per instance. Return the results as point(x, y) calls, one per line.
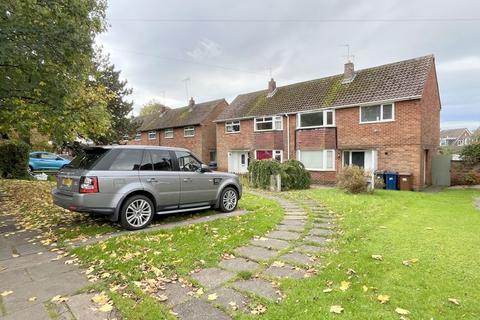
point(429, 246)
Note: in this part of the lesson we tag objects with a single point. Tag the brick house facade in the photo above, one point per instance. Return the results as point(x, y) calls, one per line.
point(381, 118)
point(173, 128)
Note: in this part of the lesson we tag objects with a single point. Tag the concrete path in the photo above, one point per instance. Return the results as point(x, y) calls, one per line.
point(31, 276)
point(291, 250)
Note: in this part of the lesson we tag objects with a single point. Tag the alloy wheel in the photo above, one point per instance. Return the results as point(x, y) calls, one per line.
point(138, 213)
point(229, 200)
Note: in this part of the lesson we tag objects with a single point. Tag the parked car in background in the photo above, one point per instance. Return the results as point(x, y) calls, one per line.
point(41, 160)
point(132, 183)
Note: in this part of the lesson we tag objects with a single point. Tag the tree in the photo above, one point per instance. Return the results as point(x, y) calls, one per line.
point(152, 106)
point(476, 135)
point(118, 107)
point(46, 59)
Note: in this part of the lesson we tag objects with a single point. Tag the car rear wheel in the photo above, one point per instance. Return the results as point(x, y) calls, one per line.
point(137, 213)
point(228, 199)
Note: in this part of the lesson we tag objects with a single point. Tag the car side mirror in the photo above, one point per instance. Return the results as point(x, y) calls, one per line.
point(204, 168)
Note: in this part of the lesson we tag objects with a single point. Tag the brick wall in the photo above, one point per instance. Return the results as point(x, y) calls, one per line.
point(209, 129)
point(315, 139)
point(464, 174)
point(242, 140)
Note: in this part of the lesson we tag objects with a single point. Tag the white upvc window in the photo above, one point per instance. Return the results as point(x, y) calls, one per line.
point(138, 136)
point(317, 119)
point(317, 160)
point(152, 135)
point(377, 113)
point(232, 126)
point(268, 123)
point(189, 131)
point(269, 154)
point(168, 133)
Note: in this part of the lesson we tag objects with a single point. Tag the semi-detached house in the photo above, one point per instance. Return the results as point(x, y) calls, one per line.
point(381, 118)
point(189, 127)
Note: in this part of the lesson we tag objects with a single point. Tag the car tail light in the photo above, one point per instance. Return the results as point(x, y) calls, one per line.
point(88, 184)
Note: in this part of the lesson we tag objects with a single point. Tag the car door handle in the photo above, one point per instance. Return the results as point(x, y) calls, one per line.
point(151, 180)
point(187, 180)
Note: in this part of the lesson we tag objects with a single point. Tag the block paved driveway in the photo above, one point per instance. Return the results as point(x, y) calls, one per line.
point(30, 276)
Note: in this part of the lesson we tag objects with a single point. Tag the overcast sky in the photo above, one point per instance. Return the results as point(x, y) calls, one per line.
point(157, 44)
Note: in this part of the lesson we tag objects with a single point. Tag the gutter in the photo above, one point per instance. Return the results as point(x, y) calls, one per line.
point(330, 108)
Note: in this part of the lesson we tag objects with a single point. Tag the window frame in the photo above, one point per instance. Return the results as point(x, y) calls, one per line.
point(189, 128)
point(324, 160)
point(274, 151)
point(232, 124)
point(381, 113)
point(149, 135)
point(168, 130)
point(275, 119)
point(138, 136)
point(325, 115)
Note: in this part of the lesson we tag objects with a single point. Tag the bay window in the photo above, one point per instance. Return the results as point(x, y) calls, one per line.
point(324, 118)
point(268, 123)
point(378, 113)
point(317, 160)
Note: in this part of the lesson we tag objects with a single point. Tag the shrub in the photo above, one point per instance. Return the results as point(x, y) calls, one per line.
point(352, 179)
point(471, 153)
point(260, 172)
point(294, 175)
point(292, 172)
point(379, 183)
point(14, 160)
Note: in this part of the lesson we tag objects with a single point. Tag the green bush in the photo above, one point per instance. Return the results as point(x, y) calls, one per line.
point(292, 172)
point(294, 175)
point(14, 160)
point(471, 153)
point(352, 179)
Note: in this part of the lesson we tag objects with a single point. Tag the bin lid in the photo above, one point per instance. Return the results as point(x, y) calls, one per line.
point(391, 172)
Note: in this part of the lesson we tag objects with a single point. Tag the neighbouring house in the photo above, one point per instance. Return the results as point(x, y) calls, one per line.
point(385, 118)
point(189, 127)
point(455, 137)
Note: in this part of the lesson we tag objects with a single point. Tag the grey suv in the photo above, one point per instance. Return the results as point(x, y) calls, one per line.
point(132, 183)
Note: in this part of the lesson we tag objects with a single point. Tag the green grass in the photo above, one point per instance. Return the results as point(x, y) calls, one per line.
point(441, 230)
point(177, 251)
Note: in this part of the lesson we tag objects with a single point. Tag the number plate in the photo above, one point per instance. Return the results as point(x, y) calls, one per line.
point(67, 182)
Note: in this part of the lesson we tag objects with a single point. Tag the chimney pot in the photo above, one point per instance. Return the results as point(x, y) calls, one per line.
point(272, 85)
point(349, 72)
point(191, 103)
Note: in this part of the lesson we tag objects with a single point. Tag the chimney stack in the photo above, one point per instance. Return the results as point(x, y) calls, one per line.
point(349, 73)
point(191, 103)
point(272, 85)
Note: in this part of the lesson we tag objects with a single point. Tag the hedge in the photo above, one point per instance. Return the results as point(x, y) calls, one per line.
point(292, 172)
point(14, 160)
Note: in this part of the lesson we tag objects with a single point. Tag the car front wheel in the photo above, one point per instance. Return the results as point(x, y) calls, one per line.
point(137, 213)
point(228, 199)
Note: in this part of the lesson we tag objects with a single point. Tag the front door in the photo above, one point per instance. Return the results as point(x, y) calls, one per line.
point(358, 158)
point(238, 161)
point(196, 188)
point(157, 172)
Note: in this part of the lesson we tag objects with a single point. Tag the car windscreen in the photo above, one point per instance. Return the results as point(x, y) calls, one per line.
point(87, 158)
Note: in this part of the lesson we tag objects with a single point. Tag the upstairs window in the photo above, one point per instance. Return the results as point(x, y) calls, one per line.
point(152, 135)
point(189, 131)
point(168, 133)
point(268, 123)
point(378, 113)
point(138, 136)
point(324, 118)
point(232, 126)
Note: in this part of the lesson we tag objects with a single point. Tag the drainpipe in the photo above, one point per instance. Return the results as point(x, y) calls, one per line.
point(288, 136)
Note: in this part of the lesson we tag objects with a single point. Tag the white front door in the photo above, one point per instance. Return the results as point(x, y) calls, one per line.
point(238, 161)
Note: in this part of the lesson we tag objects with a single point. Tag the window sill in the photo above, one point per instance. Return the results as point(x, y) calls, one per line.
point(236, 132)
point(168, 137)
point(188, 136)
point(317, 127)
point(381, 121)
point(269, 130)
point(321, 170)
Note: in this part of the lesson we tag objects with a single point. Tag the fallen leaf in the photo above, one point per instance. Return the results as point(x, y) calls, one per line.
point(199, 292)
point(344, 285)
point(212, 297)
point(377, 257)
point(162, 297)
point(383, 298)
point(59, 298)
point(336, 309)
point(233, 304)
point(410, 262)
point(259, 309)
point(454, 301)
point(402, 312)
point(15, 255)
point(32, 299)
point(365, 288)
point(106, 308)
point(278, 264)
point(327, 290)
point(100, 298)
point(6, 293)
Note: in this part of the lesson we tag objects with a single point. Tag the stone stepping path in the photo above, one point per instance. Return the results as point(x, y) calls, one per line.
point(288, 251)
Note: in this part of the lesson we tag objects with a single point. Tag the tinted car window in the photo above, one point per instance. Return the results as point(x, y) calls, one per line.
point(127, 160)
point(187, 162)
point(49, 156)
point(86, 159)
point(161, 159)
point(146, 162)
